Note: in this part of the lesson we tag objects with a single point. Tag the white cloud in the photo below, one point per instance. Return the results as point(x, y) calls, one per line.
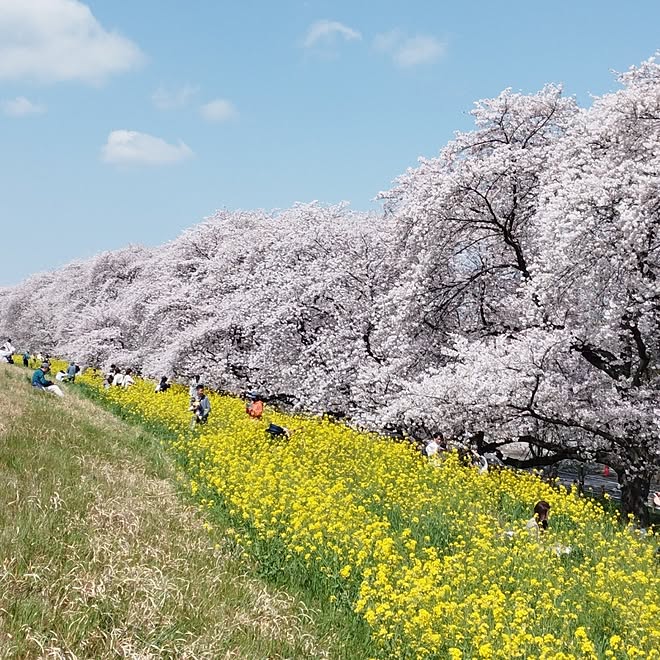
point(326, 32)
point(165, 99)
point(419, 50)
point(56, 40)
point(20, 107)
point(387, 41)
point(130, 147)
point(218, 110)
point(409, 51)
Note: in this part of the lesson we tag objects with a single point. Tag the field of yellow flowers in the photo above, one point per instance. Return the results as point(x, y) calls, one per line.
point(433, 555)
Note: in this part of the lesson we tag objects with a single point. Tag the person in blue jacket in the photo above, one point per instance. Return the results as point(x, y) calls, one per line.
point(40, 381)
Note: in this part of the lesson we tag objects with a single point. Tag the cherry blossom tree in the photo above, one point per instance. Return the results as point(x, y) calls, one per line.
point(598, 276)
point(288, 302)
point(465, 225)
point(565, 354)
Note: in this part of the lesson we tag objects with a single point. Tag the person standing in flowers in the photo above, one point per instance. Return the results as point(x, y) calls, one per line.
point(40, 381)
point(255, 406)
point(201, 407)
point(71, 372)
point(539, 521)
point(435, 445)
point(431, 448)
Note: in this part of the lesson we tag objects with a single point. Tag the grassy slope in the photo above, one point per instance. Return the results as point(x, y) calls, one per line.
point(100, 556)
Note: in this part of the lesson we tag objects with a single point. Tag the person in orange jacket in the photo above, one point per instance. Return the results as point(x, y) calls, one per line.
point(255, 406)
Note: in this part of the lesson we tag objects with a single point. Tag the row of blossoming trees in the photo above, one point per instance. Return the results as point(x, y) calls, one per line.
point(509, 291)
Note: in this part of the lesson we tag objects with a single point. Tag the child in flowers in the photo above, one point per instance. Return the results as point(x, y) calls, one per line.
point(278, 432)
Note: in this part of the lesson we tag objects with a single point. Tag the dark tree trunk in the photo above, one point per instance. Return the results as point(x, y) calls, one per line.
point(634, 495)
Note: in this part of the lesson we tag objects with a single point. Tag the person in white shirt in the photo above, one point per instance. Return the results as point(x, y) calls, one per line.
point(435, 445)
point(118, 379)
point(431, 448)
point(128, 379)
point(7, 351)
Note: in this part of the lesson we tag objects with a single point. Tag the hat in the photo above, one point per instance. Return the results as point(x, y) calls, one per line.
point(45, 365)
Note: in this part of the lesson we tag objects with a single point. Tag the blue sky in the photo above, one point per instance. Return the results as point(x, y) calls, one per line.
point(126, 122)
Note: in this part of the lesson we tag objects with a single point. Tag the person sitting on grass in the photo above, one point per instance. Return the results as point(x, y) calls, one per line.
point(40, 381)
point(201, 407)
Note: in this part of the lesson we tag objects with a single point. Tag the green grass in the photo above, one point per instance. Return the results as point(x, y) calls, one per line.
point(101, 556)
